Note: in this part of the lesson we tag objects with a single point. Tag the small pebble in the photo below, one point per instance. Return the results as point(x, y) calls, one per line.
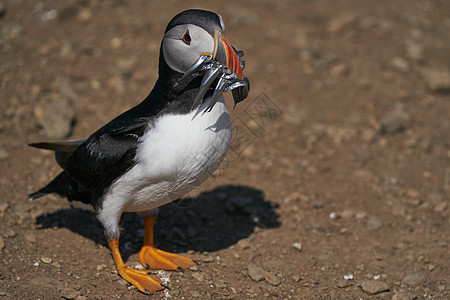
point(198, 276)
point(374, 223)
point(297, 246)
point(348, 277)
point(342, 283)
point(373, 287)
point(243, 244)
point(317, 204)
point(272, 279)
point(256, 273)
point(437, 80)
point(400, 295)
point(3, 153)
point(221, 284)
point(415, 279)
point(46, 260)
point(400, 64)
point(395, 120)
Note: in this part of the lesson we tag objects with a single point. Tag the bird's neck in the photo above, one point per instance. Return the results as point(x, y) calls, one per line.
point(169, 96)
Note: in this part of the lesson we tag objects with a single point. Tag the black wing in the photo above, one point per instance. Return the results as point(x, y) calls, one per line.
point(105, 155)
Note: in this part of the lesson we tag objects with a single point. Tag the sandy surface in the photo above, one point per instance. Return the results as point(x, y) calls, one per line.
point(337, 184)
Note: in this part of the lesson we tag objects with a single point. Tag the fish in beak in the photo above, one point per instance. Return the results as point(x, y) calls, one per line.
point(224, 63)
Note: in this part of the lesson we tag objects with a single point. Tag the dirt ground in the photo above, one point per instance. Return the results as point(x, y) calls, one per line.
point(337, 183)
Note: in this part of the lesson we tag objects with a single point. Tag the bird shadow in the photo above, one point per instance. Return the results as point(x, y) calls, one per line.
point(211, 221)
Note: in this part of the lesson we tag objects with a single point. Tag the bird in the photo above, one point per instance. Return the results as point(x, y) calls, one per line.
point(162, 148)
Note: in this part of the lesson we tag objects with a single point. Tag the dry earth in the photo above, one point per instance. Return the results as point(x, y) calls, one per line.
point(338, 181)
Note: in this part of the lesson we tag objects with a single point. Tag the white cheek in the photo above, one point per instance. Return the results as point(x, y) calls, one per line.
point(175, 54)
point(179, 56)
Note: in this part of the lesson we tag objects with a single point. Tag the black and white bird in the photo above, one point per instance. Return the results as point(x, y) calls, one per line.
point(162, 148)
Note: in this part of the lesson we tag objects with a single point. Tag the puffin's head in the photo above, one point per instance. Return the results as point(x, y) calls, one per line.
point(195, 33)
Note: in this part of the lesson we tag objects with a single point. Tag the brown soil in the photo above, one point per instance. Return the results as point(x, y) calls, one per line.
point(342, 147)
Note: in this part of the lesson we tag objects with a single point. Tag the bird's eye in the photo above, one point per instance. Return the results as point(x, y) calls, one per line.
point(186, 38)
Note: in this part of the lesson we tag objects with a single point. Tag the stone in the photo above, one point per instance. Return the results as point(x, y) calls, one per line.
point(3, 207)
point(347, 213)
point(221, 284)
point(2, 244)
point(243, 244)
point(30, 237)
point(400, 64)
point(414, 51)
point(198, 276)
point(342, 21)
point(3, 153)
point(317, 204)
point(272, 279)
point(437, 80)
point(10, 233)
point(56, 117)
point(2, 8)
point(343, 283)
point(395, 120)
point(297, 246)
point(400, 295)
point(256, 273)
point(415, 279)
point(373, 287)
point(440, 207)
point(69, 294)
point(374, 223)
point(340, 70)
point(46, 260)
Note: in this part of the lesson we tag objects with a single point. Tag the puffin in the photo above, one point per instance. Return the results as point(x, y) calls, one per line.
point(161, 149)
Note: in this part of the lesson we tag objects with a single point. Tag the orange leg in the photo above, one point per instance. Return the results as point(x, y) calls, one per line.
point(153, 258)
point(145, 281)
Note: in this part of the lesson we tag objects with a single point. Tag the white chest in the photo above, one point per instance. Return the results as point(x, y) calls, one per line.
point(175, 155)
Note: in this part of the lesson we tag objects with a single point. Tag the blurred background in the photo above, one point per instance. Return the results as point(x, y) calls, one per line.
point(337, 183)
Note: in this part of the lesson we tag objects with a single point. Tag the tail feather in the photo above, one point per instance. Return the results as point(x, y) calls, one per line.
point(66, 146)
point(59, 185)
point(64, 186)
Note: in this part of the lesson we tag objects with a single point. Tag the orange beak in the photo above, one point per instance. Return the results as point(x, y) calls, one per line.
point(226, 55)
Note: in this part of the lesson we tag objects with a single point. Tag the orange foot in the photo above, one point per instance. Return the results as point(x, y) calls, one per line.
point(154, 258)
point(145, 281)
